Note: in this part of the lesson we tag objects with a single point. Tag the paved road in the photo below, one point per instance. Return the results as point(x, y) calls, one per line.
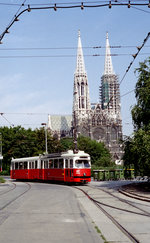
point(44, 213)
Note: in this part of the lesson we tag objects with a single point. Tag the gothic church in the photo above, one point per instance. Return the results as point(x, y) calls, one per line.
point(102, 121)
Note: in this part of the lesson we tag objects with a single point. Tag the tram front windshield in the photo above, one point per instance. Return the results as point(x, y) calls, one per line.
point(82, 163)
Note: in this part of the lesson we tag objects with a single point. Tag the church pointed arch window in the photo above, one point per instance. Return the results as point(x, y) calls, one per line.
point(93, 121)
point(82, 88)
point(98, 121)
point(79, 103)
point(78, 88)
point(114, 133)
point(103, 121)
point(82, 103)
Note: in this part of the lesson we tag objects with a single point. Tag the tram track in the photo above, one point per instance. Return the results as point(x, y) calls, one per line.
point(144, 212)
point(131, 194)
point(16, 197)
point(10, 189)
point(101, 205)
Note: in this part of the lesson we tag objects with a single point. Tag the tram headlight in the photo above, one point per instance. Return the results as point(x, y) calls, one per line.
point(84, 174)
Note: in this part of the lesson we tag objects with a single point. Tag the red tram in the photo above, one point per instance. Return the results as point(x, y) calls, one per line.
point(65, 167)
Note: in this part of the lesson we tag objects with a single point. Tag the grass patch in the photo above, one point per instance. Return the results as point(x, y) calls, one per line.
point(99, 232)
point(2, 180)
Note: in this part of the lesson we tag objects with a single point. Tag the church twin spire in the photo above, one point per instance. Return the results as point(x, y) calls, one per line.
point(80, 67)
point(108, 68)
point(109, 89)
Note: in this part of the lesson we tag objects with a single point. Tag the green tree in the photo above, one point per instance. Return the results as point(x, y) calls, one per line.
point(137, 152)
point(19, 142)
point(66, 144)
point(16, 142)
point(137, 148)
point(141, 111)
point(100, 155)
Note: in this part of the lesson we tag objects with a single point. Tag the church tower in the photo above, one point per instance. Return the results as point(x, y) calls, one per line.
point(81, 100)
point(109, 89)
point(106, 116)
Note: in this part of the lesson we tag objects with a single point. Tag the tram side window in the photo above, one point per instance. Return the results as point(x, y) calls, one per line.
point(30, 165)
point(35, 164)
point(61, 164)
point(71, 163)
point(25, 165)
point(66, 163)
point(16, 166)
point(50, 164)
point(20, 165)
point(55, 163)
point(46, 164)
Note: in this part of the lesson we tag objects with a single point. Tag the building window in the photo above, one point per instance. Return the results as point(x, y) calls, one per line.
point(113, 134)
point(93, 121)
point(104, 122)
point(82, 100)
point(78, 89)
point(79, 104)
point(82, 88)
point(98, 121)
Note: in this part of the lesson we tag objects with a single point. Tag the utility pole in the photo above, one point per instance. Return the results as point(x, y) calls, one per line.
point(45, 125)
point(75, 149)
point(1, 157)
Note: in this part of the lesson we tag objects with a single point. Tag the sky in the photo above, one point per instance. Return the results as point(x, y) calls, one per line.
point(38, 57)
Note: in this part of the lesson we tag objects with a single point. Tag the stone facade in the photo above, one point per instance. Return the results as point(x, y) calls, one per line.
point(102, 121)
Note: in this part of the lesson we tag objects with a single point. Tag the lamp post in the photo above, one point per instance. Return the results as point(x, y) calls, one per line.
point(45, 125)
point(1, 157)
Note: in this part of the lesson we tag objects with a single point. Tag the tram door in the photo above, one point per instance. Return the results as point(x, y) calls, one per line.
point(68, 170)
point(41, 170)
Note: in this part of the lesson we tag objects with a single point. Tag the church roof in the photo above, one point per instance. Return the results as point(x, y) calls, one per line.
point(59, 122)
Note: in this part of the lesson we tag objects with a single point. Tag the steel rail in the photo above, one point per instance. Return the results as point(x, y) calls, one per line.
point(15, 198)
point(125, 201)
point(119, 226)
point(11, 189)
point(135, 196)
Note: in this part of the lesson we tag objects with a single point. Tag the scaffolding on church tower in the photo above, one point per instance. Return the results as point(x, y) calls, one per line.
point(109, 90)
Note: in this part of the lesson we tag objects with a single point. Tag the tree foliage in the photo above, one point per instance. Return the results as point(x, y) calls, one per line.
point(141, 111)
point(100, 155)
point(137, 152)
point(18, 142)
point(137, 148)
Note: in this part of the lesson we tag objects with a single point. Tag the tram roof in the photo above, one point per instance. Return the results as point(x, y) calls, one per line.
point(69, 153)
